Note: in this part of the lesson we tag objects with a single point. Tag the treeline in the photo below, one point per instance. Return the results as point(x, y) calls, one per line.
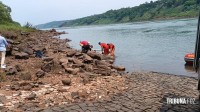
point(7, 24)
point(5, 17)
point(161, 9)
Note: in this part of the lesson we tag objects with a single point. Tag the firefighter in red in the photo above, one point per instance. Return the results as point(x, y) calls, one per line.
point(104, 48)
point(85, 46)
point(83, 43)
point(112, 49)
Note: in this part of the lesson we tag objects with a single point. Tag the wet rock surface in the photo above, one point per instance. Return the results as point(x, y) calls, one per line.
point(65, 79)
point(147, 92)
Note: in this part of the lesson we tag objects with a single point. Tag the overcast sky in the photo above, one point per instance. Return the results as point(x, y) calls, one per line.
point(43, 11)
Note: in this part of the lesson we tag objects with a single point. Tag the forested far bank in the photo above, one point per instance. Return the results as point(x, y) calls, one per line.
point(161, 9)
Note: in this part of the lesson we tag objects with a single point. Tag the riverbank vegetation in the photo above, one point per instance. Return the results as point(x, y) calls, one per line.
point(6, 22)
point(160, 9)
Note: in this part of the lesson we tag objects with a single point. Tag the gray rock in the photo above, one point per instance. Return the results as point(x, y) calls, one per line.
point(19, 68)
point(27, 88)
point(88, 68)
point(48, 66)
point(32, 96)
point(29, 51)
point(74, 95)
point(25, 76)
point(82, 93)
point(118, 68)
point(71, 53)
point(21, 55)
point(94, 55)
point(11, 70)
point(78, 62)
point(66, 81)
point(15, 87)
point(78, 54)
point(63, 60)
point(3, 99)
point(87, 59)
point(72, 71)
point(40, 73)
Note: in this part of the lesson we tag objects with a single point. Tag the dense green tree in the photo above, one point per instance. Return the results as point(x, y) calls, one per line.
point(6, 22)
point(5, 14)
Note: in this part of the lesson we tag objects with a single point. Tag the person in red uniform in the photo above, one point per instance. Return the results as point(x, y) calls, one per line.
point(104, 48)
point(85, 46)
point(83, 43)
point(112, 49)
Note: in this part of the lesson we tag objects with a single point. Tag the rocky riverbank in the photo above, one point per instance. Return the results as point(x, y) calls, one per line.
point(67, 80)
point(63, 76)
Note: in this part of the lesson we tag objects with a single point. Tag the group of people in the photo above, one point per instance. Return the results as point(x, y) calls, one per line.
point(106, 48)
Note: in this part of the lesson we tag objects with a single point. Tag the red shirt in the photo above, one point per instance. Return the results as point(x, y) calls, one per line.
point(111, 46)
point(84, 43)
point(104, 45)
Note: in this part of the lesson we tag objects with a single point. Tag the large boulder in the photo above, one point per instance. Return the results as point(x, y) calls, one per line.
point(82, 93)
point(28, 51)
point(88, 68)
point(48, 66)
point(21, 55)
point(71, 53)
point(65, 65)
point(118, 68)
point(14, 51)
point(102, 62)
point(107, 57)
point(19, 68)
point(66, 81)
point(25, 76)
point(40, 74)
point(9, 34)
point(32, 96)
point(77, 62)
point(102, 71)
point(72, 71)
point(63, 60)
point(78, 54)
point(87, 59)
point(11, 70)
point(94, 55)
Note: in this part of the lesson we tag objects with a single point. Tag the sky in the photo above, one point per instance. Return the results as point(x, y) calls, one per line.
point(44, 11)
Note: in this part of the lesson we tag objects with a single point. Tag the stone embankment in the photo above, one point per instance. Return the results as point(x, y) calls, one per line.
point(67, 80)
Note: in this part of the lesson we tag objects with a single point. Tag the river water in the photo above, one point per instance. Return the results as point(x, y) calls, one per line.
point(157, 46)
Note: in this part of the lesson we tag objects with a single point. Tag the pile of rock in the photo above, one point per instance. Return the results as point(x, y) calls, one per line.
point(62, 76)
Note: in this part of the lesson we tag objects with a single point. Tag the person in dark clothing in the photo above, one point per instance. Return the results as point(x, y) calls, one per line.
point(40, 53)
point(86, 48)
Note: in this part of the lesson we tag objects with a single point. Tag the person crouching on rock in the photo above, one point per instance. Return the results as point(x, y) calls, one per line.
point(85, 46)
point(104, 48)
point(112, 49)
point(3, 45)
